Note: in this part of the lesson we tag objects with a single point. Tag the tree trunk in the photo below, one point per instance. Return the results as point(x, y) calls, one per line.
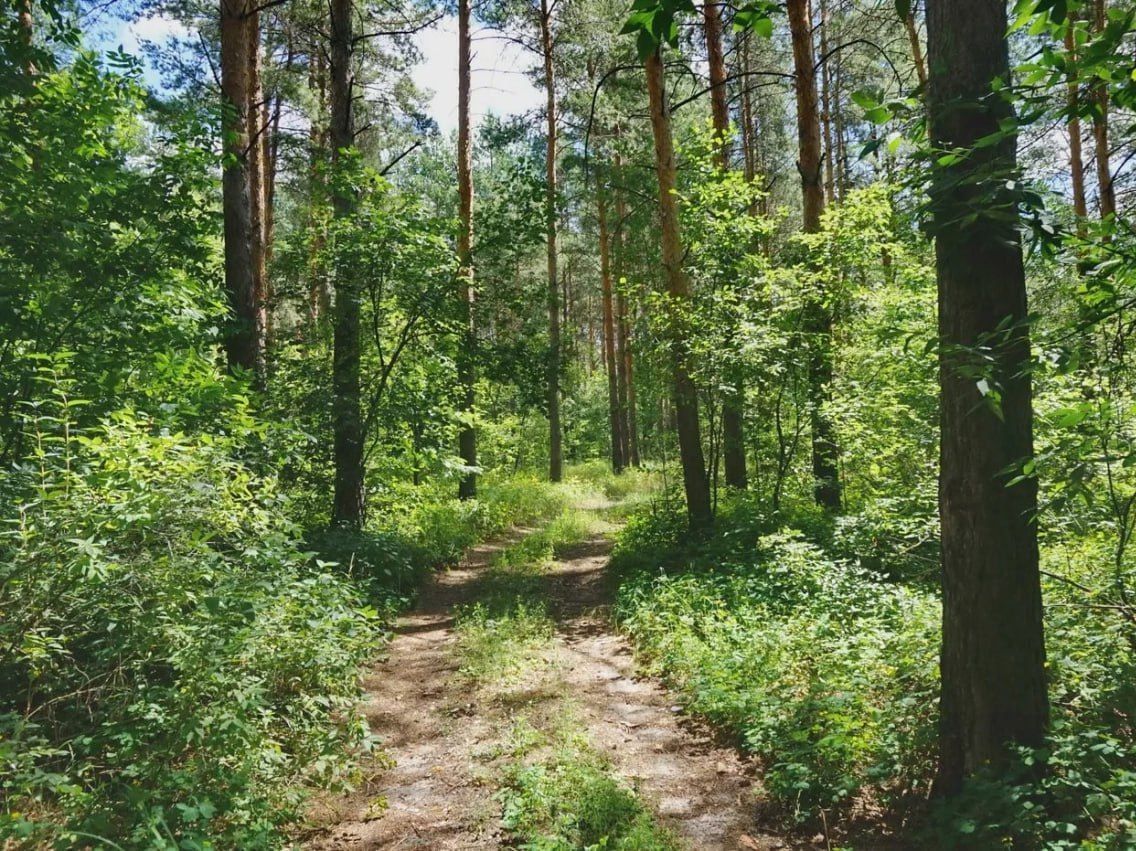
point(733, 438)
point(694, 479)
point(817, 317)
point(467, 437)
point(27, 36)
point(555, 456)
point(1076, 159)
point(624, 355)
point(319, 294)
point(258, 130)
point(993, 654)
point(1106, 192)
point(350, 487)
point(916, 48)
point(242, 338)
point(617, 455)
point(826, 109)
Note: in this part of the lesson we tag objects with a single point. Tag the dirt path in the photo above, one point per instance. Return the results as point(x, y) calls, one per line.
point(447, 738)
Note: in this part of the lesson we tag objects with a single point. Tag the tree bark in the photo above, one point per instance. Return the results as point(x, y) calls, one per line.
point(993, 690)
point(694, 479)
point(319, 293)
point(624, 355)
point(733, 437)
point(349, 507)
point(617, 449)
point(467, 437)
point(817, 316)
point(826, 109)
point(1076, 157)
point(258, 136)
point(1105, 190)
point(555, 451)
point(916, 48)
point(242, 337)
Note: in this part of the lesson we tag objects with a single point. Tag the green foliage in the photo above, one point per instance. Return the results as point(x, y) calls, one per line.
point(571, 802)
point(175, 666)
point(827, 671)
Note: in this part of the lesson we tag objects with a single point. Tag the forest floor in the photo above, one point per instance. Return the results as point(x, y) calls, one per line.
point(455, 738)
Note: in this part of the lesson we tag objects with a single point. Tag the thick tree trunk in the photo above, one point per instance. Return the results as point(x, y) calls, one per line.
point(1076, 157)
point(818, 317)
point(350, 486)
point(610, 362)
point(1105, 192)
point(555, 451)
point(733, 438)
point(694, 479)
point(467, 437)
point(258, 151)
point(993, 654)
point(242, 338)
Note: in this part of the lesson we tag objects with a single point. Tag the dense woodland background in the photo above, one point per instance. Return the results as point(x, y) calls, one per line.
point(272, 346)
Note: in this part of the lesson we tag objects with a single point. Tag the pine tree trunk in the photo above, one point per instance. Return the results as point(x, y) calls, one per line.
point(555, 451)
point(257, 165)
point(241, 338)
point(733, 438)
point(624, 355)
point(694, 479)
point(818, 318)
point(1076, 157)
point(826, 109)
point(993, 654)
point(1105, 191)
point(350, 487)
point(467, 437)
point(610, 362)
point(916, 48)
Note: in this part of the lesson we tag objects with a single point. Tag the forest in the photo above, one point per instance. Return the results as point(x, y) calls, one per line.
point(717, 435)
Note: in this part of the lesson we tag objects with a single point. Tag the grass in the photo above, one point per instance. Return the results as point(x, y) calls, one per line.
point(557, 793)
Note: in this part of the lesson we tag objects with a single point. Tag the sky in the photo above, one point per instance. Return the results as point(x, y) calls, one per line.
point(499, 83)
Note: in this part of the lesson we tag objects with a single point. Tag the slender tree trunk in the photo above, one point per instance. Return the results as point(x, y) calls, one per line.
point(350, 486)
point(733, 438)
point(1106, 192)
point(826, 109)
point(319, 293)
point(695, 483)
point(257, 166)
point(467, 437)
point(916, 48)
point(617, 456)
point(1076, 159)
point(624, 355)
point(555, 451)
point(242, 338)
point(993, 653)
point(818, 318)
point(27, 35)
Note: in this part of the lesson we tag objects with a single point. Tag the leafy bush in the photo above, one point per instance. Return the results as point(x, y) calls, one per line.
point(572, 802)
point(828, 672)
point(173, 666)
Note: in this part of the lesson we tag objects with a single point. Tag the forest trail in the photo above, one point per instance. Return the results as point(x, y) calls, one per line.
point(450, 739)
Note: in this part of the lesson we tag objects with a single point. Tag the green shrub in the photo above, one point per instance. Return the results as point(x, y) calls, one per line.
point(572, 802)
point(828, 672)
point(174, 667)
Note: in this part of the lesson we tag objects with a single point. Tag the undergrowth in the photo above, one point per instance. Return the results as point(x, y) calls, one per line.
point(568, 799)
point(828, 672)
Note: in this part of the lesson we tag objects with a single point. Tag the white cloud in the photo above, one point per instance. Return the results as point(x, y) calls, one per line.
point(156, 28)
point(499, 83)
